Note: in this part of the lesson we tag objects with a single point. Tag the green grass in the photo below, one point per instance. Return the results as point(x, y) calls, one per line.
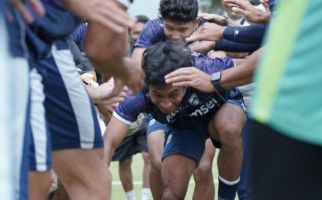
point(137, 167)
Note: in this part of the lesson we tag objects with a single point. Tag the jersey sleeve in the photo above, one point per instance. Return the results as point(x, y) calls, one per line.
point(78, 35)
point(227, 45)
point(129, 110)
point(212, 65)
point(151, 34)
point(252, 34)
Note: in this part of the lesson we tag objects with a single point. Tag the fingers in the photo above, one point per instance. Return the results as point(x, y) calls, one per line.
point(241, 4)
point(38, 7)
point(239, 11)
point(198, 35)
point(180, 78)
point(179, 72)
point(266, 6)
point(183, 84)
point(23, 11)
point(208, 16)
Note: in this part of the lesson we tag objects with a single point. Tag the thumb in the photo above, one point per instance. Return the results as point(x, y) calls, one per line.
point(266, 6)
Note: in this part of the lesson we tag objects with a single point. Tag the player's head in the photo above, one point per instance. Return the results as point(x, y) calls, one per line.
point(158, 61)
point(180, 18)
point(138, 27)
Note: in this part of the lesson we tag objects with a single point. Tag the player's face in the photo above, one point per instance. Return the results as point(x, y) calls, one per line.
point(177, 32)
point(135, 32)
point(166, 98)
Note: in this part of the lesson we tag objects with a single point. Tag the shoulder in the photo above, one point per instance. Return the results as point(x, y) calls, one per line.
point(152, 33)
point(155, 25)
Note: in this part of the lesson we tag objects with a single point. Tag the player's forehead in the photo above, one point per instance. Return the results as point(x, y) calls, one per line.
point(164, 90)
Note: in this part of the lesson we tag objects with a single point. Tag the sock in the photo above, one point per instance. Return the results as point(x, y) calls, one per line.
point(145, 194)
point(227, 189)
point(130, 195)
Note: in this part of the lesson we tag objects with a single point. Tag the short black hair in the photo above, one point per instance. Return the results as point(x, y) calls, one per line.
point(161, 59)
point(142, 18)
point(179, 10)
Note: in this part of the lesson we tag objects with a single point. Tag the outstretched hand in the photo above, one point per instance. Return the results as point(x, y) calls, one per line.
point(249, 12)
point(208, 31)
point(214, 18)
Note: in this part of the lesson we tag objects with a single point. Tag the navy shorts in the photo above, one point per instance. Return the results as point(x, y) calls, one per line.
point(70, 112)
point(189, 142)
point(131, 145)
point(154, 125)
point(40, 144)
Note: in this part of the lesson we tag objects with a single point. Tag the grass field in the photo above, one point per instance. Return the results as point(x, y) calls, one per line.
point(137, 166)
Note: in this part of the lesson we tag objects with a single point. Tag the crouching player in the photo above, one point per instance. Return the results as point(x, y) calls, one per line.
point(185, 111)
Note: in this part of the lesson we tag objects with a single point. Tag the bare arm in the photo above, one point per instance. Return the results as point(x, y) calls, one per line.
point(105, 49)
point(108, 53)
point(241, 74)
point(137, 54)
point(114, 134)
point(192, 77)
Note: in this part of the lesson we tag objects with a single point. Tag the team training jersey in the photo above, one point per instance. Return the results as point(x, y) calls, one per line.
point(194, 105)
point(288, 93)
point(153, 32)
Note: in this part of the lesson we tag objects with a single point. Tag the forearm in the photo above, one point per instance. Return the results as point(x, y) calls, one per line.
point(252, 34)
point(114, 134)
point(227, 45)
point(138, 53)
point(105, 49)
point(241, 74)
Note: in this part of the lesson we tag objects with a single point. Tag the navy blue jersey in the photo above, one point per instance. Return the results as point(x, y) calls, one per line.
point(79, 34)
point(211, 65)
point(195, 104)
point(153, 32)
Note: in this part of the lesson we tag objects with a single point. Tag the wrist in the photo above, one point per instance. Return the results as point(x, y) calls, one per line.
point(213, 46)
point(215, 81)
point(221, 33)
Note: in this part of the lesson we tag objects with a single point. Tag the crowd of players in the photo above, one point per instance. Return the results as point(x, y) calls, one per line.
point(175, 88)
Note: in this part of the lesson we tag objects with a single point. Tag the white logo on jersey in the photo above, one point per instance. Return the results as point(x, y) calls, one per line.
point(194, 100)
point(171, 115)
point(169, 139)
point(236, 32)
point(204, 109)
point(151, 122)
